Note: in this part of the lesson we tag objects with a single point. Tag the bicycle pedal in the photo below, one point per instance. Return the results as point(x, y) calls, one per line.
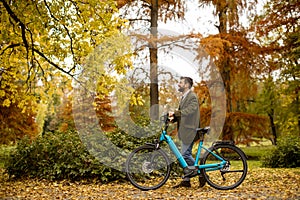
point(190, 171)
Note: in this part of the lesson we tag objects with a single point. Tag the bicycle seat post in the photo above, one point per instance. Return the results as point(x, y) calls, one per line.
point(200, 132)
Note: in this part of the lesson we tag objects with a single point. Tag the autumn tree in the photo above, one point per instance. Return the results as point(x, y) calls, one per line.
point(233, 51)
point(16, 121)
point(267, 103)
point(148, 13)
point(239, 60)
point(278, 30)
point(43, 40)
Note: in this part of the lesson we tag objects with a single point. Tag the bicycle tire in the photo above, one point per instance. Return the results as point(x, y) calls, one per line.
point(147, 168)
point(231, 175)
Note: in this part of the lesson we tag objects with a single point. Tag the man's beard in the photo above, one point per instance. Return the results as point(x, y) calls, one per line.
point(180, 89)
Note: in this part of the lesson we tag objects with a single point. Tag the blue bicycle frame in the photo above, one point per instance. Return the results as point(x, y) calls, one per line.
point(182, 162)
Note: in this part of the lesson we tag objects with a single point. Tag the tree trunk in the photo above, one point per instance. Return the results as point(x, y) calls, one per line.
point(273, 128)
point(226, 76)
point(154, 109)
point(297, 107)
point(225, 68)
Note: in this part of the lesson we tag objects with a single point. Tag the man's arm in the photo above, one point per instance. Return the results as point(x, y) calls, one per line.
point(191, 107)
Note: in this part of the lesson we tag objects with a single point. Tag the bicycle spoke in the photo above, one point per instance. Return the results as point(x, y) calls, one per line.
point(147, 168)
point(233, 172)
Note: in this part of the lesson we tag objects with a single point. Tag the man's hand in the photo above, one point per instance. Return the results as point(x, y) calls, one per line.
point(171, 116)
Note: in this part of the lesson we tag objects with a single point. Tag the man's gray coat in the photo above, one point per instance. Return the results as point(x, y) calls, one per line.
point(188, 118)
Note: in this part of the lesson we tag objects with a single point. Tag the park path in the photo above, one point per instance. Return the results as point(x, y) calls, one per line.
point(260, 184)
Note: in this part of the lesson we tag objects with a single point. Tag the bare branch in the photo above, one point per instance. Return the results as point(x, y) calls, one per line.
point(19, 22)
point(140, 19)
point(10, 47)
point(50, 62)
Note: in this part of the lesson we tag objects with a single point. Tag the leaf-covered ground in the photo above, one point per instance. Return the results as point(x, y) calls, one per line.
point(261, 183)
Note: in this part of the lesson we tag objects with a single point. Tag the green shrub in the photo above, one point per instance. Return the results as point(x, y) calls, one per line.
point(62, 155)
point(57, 156)
point(133, 140)
point(4, 154)
point(285, 155)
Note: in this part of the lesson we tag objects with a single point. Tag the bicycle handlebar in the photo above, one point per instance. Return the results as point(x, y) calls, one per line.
point(204, 130)
point(165, 118)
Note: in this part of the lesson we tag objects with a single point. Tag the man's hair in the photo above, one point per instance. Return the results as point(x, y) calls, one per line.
point(187, 80)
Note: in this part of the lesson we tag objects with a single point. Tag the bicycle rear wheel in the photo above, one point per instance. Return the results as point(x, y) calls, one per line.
point(148, 168)
point(229, 176)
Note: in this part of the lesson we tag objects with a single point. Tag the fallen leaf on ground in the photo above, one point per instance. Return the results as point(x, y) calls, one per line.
point(260, 183)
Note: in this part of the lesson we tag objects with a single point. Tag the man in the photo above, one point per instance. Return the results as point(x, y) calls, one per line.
point(187, 117)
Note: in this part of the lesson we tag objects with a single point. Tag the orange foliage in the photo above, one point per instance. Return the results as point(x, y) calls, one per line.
point(205, 103)
point(16, 124)
point(64, 120)
point(279, 14)
point(205, 116)
point(244, 127)
point(237, 59)
point(103, 112)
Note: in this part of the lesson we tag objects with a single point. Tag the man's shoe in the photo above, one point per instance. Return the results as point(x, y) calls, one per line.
point(190, 172)
point(186, 184)
point(202, 180)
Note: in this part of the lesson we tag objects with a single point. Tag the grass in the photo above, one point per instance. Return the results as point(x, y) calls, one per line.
point(254, 164)
point(257, 152)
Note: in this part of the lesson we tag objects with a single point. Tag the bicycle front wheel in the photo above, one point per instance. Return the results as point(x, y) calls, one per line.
point(148, 168)
point(232, 174)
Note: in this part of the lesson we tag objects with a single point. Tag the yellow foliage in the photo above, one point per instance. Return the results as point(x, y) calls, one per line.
point(6, 103)
point(136, 100)
point(44, 44)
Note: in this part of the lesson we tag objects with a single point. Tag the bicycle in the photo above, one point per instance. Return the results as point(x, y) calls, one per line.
point(223, 165)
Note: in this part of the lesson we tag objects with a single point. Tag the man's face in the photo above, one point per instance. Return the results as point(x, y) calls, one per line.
point(182, 85)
